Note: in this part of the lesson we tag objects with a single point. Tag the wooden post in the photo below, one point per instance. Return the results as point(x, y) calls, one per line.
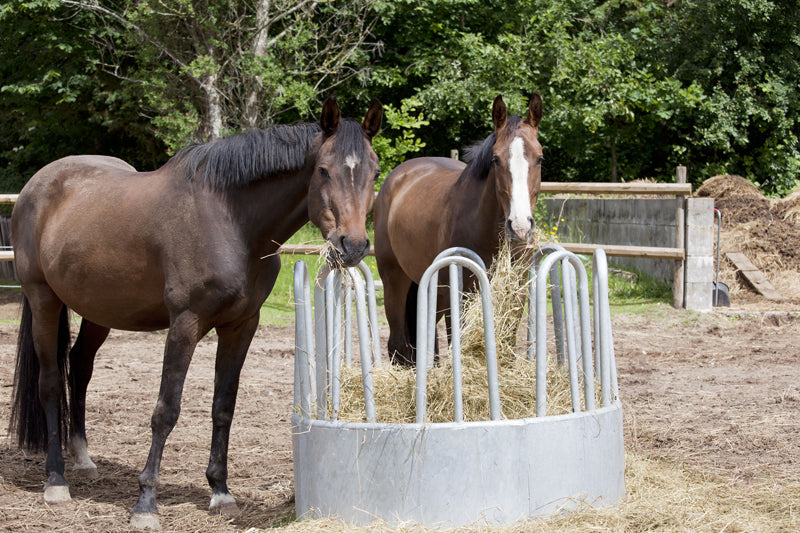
point(680, 241)
point(453, 154)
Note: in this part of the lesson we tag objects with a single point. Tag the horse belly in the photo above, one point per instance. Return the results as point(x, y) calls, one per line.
point(112, 278)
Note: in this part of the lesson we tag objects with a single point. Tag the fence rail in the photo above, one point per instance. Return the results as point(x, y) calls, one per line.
point(655, 189)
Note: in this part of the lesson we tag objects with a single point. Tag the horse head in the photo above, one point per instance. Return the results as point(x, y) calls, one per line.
point(517, 166)
point(342, 187)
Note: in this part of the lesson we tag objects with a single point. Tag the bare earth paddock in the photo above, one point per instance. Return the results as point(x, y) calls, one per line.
point(711, 400)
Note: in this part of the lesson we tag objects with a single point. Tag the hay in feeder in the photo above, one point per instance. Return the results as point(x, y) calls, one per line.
point(395, 386)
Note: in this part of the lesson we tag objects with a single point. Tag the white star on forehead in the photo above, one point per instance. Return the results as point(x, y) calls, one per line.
point(350, 162)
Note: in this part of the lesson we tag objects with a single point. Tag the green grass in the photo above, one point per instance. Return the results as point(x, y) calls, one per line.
point(278, 310)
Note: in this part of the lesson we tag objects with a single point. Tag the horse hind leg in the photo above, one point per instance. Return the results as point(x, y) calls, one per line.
point(41, 367)
point(81, 364)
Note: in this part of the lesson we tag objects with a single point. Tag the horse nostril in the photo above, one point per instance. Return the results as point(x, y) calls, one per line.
point(343, 243)
point(530, 220)
point(509, 228)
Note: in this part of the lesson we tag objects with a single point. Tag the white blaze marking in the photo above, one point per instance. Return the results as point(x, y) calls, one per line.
point(520, 208)
point(350, 162)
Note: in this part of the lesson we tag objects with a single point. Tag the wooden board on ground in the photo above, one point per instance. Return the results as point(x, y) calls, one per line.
point(753, 276)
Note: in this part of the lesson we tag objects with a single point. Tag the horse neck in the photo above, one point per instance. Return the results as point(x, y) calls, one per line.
point(479, 228)
point(269, 211)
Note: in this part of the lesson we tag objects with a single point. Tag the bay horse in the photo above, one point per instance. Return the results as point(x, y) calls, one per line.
point(190, 246)
point(429, 204)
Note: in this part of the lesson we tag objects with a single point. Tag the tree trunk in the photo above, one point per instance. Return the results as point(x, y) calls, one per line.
point(213, 102)
point(614, 176)
point(251, 105)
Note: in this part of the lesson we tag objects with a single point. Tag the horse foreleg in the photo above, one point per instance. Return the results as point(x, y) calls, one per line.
point(395, 298)
point(181, 341)
point(81, 364)
point(231, 351)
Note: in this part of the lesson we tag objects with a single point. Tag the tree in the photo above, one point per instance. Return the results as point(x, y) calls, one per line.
point(207, 67)
point(54, 101)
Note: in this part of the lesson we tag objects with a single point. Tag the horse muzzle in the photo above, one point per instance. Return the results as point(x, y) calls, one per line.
point(520, 234)
point(347, 251)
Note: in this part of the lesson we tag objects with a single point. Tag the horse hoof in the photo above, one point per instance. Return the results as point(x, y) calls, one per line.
point(55, 494)
point(145, 521)
point(86, 473)
point(223, 504)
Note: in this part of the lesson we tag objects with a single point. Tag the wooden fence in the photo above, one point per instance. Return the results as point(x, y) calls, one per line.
point(679, 190)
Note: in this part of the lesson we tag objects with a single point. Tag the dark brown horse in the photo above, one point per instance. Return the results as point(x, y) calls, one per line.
point(429, 204)
point(190, 247)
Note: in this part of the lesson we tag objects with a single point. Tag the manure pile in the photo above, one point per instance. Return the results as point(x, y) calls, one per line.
point(766, 230)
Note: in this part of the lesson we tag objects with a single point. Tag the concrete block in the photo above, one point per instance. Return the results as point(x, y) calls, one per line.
point(699, 269)
point(700, 241)
point(697, 296)
point(700, 212)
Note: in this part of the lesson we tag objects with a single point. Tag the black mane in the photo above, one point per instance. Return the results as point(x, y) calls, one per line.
point(250, 156)
point(479, 156)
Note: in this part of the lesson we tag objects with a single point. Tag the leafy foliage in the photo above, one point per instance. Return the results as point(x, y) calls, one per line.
point(632, 88)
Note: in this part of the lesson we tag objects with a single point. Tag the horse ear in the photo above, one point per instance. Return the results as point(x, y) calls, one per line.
point(330, 116)
point(373, 118)
point(499, 112)
point(535, 110)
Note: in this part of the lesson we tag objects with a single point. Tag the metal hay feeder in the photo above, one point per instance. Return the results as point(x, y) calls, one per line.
point(457, 473)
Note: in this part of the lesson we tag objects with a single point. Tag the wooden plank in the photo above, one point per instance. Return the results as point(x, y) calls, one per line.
point(651, 252)
point(308, 249)
point(753, 276)
point(662, 189)
point(6, 255)
point(8, 198)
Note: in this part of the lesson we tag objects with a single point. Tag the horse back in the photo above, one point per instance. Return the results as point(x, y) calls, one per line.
point(93, 230)
point(413, 212)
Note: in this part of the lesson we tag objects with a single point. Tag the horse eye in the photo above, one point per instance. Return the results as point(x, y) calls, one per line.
point(377, 175)
point(495, 160)
point(539, 160)
point(324, 173)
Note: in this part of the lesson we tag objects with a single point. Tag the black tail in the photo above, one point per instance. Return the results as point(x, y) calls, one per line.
point(27, 415)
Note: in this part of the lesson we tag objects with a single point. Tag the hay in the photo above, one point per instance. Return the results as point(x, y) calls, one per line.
point(661, 497)
point(789, 207)
point(395, 387)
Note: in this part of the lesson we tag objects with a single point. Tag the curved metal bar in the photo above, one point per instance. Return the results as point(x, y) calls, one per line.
point(606, 329)
point(364, 350)
point(372, 306)
point(348, 320)
point(537, 258)
point(463, 252)
point(334, 337)
point(321, 341)
point(488, 327)
point(455, 319)
point(303, 395)
point(604, 322)
point(569, 329)
point(541, 319)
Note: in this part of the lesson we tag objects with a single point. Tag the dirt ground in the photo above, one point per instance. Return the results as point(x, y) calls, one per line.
point(716, 393)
